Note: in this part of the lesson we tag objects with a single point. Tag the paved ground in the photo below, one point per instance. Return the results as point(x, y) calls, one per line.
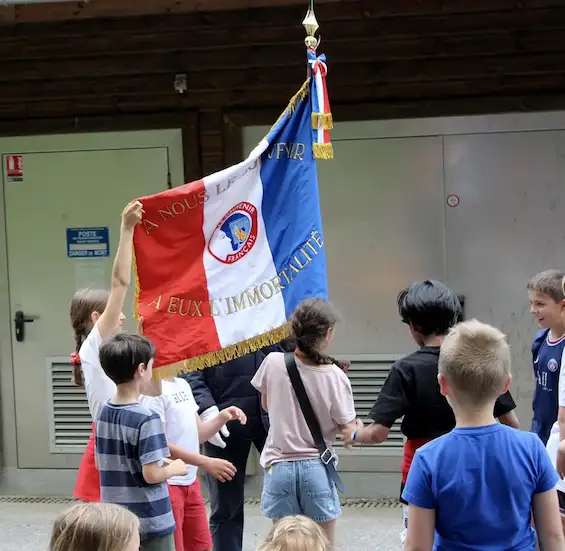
point(26, 527)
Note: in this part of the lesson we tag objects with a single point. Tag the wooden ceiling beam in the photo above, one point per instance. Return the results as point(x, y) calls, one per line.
point(94, 116)
point(139, 53)
point(64, 11)
point(96, 9)
point(215, 30)
point(159, 91)
point(7, 15)
point(361, 63)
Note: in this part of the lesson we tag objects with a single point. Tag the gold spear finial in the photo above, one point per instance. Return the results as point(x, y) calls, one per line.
point(310, 23)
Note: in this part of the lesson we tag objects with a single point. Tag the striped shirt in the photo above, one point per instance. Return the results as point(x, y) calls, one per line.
point(128, 437)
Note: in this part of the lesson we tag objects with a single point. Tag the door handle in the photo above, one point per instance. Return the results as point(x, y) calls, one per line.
point(20, 319)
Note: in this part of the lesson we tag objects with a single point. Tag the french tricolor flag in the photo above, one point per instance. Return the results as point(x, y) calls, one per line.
point(222, 262)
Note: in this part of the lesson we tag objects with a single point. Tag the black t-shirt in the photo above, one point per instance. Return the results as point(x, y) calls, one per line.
point(411, 390)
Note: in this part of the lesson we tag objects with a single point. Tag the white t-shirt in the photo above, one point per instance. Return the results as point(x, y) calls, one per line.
point(99, 387)
point(177, 409)
point(554, 438)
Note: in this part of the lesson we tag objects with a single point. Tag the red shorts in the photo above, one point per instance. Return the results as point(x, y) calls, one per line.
point(410, 447)
point(87, 487)
point(193, 530)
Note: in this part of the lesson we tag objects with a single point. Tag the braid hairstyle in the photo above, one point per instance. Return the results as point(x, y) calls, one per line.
point(310, 323)
point(83, 305)
point(77, 377)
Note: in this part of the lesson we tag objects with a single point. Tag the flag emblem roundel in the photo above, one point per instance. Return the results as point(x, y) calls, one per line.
point(235, 235)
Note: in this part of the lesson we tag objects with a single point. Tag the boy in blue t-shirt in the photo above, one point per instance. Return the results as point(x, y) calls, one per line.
point(546, 302)
point(131, 449)
point(476, 487)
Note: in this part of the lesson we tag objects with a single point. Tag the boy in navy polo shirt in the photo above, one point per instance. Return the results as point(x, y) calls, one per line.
point(130, 444)
point(546, 303)
point(477, 486)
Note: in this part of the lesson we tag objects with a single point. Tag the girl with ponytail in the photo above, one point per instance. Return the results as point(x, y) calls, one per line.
point(86, 306)
point(95, 315)
point(296, 481)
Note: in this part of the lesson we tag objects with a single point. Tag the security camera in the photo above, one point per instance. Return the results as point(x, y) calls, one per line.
point(180, 84)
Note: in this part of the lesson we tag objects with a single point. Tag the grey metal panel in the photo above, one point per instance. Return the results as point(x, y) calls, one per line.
point(446, 126)
point(383, 215)
point(50, 336)
point(507, 227)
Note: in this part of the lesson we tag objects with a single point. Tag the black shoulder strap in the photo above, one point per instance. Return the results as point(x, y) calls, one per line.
point(326, 455)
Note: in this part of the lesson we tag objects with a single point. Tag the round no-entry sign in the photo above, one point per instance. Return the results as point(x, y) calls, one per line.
point(452, 200)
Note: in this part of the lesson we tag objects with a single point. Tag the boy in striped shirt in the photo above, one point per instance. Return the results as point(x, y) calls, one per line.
point(131, 449)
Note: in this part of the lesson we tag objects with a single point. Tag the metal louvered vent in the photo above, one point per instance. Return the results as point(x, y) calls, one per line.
point(70, 423)
point(367, 375)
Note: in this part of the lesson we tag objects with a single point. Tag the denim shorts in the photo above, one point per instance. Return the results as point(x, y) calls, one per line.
point(299, 488)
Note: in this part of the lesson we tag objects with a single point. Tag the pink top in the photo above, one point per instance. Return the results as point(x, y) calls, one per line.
point(330, 393)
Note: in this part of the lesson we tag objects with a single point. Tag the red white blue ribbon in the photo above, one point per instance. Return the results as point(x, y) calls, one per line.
point(322, 120)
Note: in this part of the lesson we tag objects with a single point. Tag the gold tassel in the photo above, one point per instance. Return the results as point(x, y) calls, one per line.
point(326, 119)
point(137, 289)
point(323, 151)
point(225, 354)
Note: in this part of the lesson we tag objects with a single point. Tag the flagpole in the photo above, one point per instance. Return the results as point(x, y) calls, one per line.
point(322, 120)
point(310, 23)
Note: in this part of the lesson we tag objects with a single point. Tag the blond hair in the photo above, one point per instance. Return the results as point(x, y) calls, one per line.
point(475, 360)
point(549, 283)
point(94, 527)
point(297, 533)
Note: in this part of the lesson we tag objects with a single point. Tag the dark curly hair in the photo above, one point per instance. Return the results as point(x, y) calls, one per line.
point(430, 307)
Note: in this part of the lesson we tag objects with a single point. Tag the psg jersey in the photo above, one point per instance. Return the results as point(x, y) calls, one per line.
point(547, 361)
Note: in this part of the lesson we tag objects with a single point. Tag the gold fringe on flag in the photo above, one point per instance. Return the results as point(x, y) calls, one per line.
point(323, 151)
point(136, 291)
point(295, 100)
point(326, 119)
point(211, 359)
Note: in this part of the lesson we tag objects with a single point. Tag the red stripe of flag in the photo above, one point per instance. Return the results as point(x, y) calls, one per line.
point(173, 294)
point(327, 108)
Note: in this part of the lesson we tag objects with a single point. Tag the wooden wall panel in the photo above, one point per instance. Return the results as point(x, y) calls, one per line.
point(126, 8)
point(131, 8)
